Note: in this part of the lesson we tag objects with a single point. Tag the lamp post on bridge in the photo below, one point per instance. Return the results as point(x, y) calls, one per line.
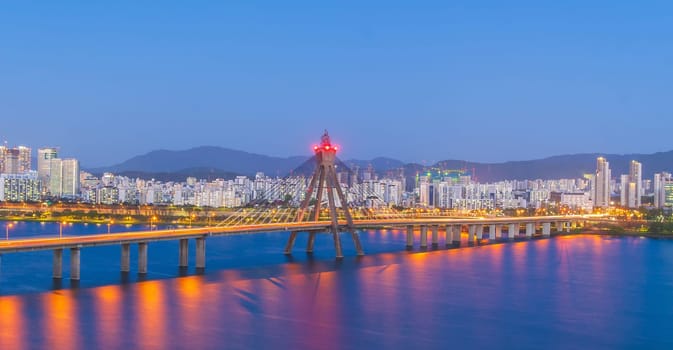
point(7, 227)
point(152, 219)
point(60, 228)
point(110, 222)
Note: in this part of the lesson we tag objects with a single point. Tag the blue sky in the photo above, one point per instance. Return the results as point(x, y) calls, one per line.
point(414, 80)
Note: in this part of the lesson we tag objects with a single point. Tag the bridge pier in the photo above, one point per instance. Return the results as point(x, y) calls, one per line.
point(410, 236)
point(201, 253)
point(290, 242)
point(183, 253)
point(457, 230)
point(142, 257)
point(530, 229)
point(471, 230)
point(58, 263)
point(513, 231)
point(448, 235)
point(546, 229)
point(480, 232)
point(568, 226)
point(74, 264)
point(424, 236)
point(497, 232)
point(435, 236)
point(126, 257)
point(311, 242)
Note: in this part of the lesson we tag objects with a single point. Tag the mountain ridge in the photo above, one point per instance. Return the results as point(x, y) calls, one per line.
point(232, 162)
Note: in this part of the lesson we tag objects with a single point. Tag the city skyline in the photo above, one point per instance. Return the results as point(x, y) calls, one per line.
point(457, 81)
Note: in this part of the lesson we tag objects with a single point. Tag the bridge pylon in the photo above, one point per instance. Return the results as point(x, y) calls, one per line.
point(324, 178)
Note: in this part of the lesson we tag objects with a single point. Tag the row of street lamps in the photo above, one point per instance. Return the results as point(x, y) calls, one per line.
point(153, 219)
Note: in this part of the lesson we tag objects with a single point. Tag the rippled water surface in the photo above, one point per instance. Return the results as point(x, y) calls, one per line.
point(570, 292)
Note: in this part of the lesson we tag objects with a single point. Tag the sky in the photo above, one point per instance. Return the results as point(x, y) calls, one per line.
point(419, 81)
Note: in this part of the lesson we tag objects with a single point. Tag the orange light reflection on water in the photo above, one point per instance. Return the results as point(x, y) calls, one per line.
point(109, 308)
point(12, 323)
point(61, 320)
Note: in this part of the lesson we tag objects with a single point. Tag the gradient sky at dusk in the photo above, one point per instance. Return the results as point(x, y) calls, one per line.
point(413, 80)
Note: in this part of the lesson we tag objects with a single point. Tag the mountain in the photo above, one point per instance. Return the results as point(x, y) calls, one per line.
point(380, 164)
point(216, 162)
point(556, 167)
point(181, 175)
point(205, 157)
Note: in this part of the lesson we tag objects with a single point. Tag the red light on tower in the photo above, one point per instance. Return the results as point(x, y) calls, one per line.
point(327, 147)
point(315, 148)
point(336, 148)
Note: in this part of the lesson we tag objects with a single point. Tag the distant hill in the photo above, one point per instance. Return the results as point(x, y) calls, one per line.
point(181, 175)
point(212, 162)
point(556, 167)
point(205, 157)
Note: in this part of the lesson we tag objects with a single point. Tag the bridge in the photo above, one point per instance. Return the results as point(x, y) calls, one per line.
point(313, 216)
point(476, 229)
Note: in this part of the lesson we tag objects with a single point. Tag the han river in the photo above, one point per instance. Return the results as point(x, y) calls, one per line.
point(567, 292)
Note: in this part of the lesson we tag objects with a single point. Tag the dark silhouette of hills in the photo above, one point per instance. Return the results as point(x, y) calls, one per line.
point(216, 162)
point(223, 159)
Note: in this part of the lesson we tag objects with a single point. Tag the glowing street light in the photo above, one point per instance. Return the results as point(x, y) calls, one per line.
point(60, 228)
point(152, 219)
point(7, 227)
point(110, 222)
point(191, 218)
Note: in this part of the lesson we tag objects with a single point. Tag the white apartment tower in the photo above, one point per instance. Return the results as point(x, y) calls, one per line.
point(601, 188)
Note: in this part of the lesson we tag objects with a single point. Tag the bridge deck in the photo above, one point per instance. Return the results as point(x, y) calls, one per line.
point(22, 245)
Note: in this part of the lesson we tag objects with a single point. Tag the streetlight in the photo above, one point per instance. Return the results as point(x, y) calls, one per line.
point(60, 228)
point(191, 218)
point(7, 227)
point(110, 222)
point(152, 219)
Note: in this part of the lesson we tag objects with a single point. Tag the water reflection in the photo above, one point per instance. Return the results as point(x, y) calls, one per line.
point(550, 293)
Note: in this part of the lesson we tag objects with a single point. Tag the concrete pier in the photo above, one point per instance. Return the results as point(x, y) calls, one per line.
point(58, 263)
point(290, 242)
point(457, 230)
point(142, 257)
point(311, 242)
point(183, 253)
point(480, 232)
point(448, 235)
point(513, 231)
point(201, 253)
point(410, 236)
point(74, 264)
point(126, 257)
point(471, 230)
point(546, 229)
point(530, 229)
point(435, 236)
point(497, 234)
point(424, 236)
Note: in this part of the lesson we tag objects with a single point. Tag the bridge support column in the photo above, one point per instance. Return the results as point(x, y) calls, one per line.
point(513, 231)
point(456, 234)
point(201, 253)
point(74, 264)
point(435, 236)
point(58, 263)
point(311, 242)
point(498, 232)
point(126, 257)
point(568, 226)
point(448, 235)
point(491, 232)
point(424, 236)
point(480, 232)
point(410, 236)
point(530, 229)
point(142, 257)
point(546, 229)
point(290, 242)
point(183, 253)
point(471, 229)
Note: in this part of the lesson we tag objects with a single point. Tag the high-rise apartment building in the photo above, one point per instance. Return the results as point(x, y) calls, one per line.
point(15, 160)
point(601, 188)
point(64, 178)
point(44, 157)
point(632, 186)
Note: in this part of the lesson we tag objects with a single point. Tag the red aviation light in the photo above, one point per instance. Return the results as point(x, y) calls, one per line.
point(315, 148)
point(327, 147)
